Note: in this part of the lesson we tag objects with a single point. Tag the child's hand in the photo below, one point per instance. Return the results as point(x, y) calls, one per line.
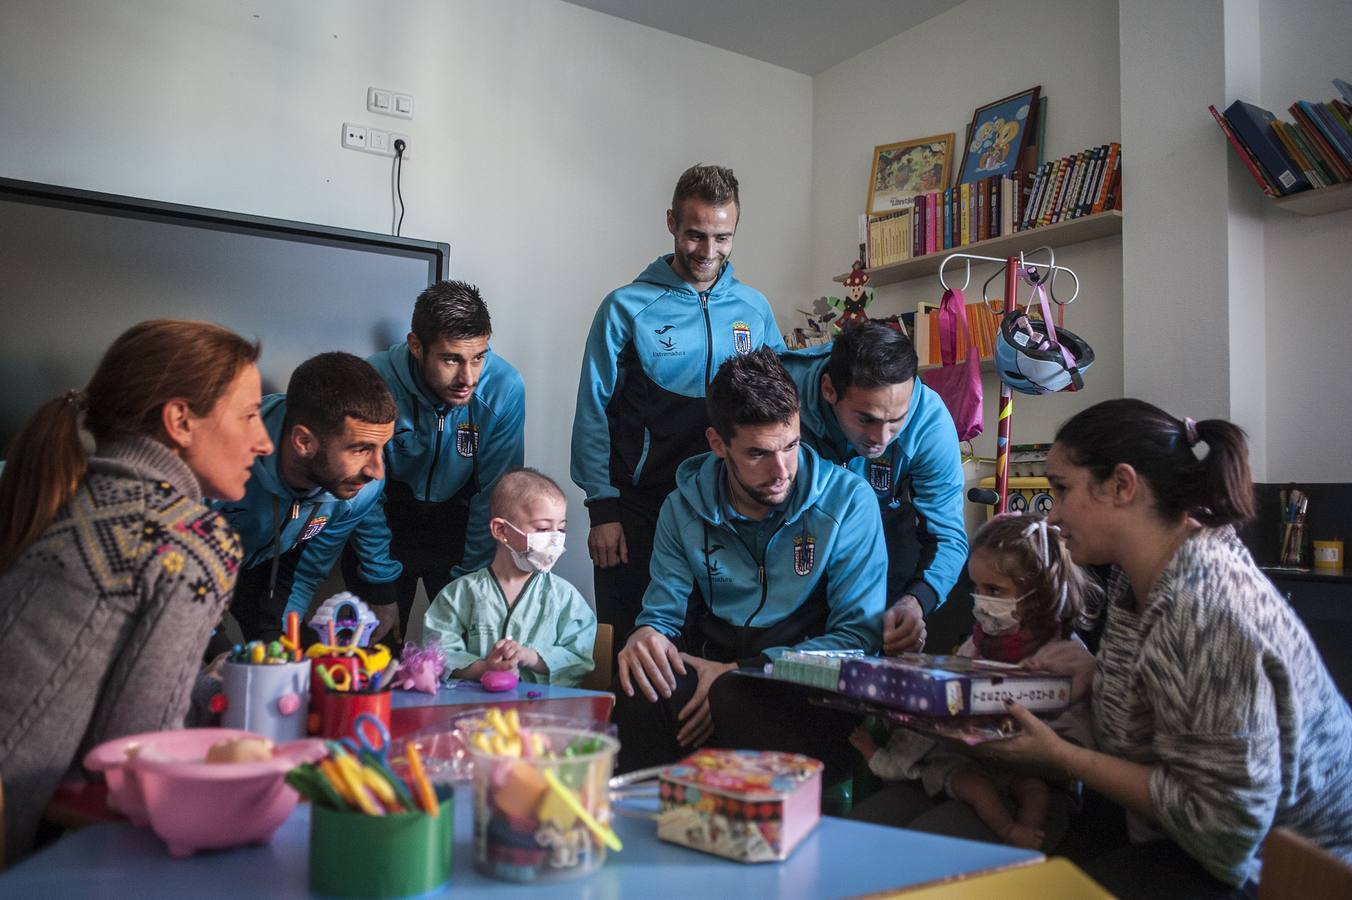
point(506, 654)
point(862, 740)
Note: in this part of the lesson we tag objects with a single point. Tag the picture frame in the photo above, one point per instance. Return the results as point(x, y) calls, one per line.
point(906, 168)
point(997, 136)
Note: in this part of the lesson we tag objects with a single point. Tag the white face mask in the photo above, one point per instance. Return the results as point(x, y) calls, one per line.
point(543, 549)
point(996, 615)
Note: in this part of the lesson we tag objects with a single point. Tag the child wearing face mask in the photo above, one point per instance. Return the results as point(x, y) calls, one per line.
point(1028, 598)
point(515, 614)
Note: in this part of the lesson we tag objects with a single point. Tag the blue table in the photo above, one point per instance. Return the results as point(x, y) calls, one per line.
point(412, 711)
point(840, 858)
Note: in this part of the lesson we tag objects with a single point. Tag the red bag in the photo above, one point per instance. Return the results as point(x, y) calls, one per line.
point(958, 383)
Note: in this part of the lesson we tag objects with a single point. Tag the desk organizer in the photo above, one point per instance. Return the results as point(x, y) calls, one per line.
point(269, 700)
point(356, 855)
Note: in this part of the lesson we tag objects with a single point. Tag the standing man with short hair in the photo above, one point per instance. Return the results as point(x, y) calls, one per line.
point(329, 428)
point(460, 426)
point(762, 547)
point(865, 409)
point(653, 347)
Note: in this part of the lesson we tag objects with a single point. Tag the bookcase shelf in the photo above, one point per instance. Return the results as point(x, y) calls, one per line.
point(1073, 231)
point(1319, 201)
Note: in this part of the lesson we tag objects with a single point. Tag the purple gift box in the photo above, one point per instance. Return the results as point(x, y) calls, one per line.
point(951, 685)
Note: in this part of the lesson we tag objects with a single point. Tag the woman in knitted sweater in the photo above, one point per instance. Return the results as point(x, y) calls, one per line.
point(1215, 717)
point(112, 571)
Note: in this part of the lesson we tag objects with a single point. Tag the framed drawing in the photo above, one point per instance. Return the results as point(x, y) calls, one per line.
point(904, 169)
point(997, 136)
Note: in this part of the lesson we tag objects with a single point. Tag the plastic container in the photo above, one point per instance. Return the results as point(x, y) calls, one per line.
point(356, 855)
point(524, 829)
point(270, 700)
point(338, 711)
point(194, 805)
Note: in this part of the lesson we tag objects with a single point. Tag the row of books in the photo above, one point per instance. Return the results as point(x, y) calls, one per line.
point(984, 322)
point(1082, 184)
point(1313, 151)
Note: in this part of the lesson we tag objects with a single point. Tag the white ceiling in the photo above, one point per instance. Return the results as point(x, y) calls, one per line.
point(808, 36)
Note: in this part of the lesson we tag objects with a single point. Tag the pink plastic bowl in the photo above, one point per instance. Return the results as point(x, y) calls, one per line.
point(192, 805)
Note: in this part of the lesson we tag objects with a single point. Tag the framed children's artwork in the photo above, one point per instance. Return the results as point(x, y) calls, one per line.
point(904, 169)
point(997, 136)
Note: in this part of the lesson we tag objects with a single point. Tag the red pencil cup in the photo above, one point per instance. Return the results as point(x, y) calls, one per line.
point(351, 663)
point(338, 711)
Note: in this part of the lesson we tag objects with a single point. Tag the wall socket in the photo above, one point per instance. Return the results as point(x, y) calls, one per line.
point(374, 140)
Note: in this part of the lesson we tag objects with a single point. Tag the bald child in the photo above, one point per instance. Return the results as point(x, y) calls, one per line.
point(515, 614)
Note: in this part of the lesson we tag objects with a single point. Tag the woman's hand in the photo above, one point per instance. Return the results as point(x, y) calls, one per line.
point(1037, 746)
point(1066, 658)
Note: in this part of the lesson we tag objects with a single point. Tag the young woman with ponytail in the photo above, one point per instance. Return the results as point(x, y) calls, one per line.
point(1214, 715)
point(112, 571)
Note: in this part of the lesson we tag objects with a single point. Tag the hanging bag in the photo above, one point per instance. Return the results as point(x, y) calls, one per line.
point(958, 383)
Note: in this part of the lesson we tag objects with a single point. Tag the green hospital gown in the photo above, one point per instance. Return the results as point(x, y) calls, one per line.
point(470, 615)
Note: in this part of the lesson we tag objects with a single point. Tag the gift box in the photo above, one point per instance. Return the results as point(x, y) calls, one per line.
point(747, 805)
point(951, 685)
point(815, 668)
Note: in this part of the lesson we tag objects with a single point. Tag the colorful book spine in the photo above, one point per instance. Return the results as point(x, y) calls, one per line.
point(964, 199)
point(1338, 139)
point(1110, 167)
point(1315, 137)
point(931, 202)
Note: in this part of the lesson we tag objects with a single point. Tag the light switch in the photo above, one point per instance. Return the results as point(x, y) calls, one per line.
point(403, 105)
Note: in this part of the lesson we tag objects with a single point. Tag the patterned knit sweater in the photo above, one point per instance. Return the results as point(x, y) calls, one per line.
point(105, 618)
point(1217, 687)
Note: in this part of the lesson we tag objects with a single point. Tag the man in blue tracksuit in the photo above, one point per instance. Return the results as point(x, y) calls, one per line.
point(653, 346)
point(865, 409)
point(329, 430)
point(460, 425)
point(763, 546)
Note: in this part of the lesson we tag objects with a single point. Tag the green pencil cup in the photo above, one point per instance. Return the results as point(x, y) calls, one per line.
point(356, 855)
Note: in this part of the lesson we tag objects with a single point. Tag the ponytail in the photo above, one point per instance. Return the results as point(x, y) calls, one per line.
point(46, 463)
point(1211, 484)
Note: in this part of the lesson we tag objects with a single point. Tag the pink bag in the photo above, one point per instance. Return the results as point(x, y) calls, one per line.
point(958, 383)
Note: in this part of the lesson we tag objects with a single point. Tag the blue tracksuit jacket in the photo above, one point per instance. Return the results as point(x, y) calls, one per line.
point(925, 451)
point(811, 575)
point(653, 347)
point(272, 519)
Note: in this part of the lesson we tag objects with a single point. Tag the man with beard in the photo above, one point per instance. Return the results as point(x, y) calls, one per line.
point(763, 547)
point(864, 408)
point(653, 346)
point(330, 429)
point(460, 426)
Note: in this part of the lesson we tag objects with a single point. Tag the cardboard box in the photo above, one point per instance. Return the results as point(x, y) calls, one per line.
point(747, 805)
point(951, 685)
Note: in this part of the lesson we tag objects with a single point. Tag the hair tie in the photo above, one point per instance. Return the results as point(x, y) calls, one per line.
point(1190, 430)
point(77, 399)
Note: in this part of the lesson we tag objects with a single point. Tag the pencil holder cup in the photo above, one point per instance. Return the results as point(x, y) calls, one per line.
point(543, 814)
point(268, 700)
point(1296, 546)
point(356, 855)
point(351, 663)
point(338, 711)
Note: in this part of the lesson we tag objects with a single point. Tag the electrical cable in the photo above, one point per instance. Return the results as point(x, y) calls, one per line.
point(398, 183)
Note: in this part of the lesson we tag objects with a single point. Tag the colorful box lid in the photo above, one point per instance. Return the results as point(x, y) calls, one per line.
point(750, 774)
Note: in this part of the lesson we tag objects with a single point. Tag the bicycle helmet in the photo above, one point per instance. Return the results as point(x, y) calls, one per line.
point(1033, 358)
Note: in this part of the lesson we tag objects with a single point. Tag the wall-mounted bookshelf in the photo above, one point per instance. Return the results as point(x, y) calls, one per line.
point(1319, 201)
point(1072, 231)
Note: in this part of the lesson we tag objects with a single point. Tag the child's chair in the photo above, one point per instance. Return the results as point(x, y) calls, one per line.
point(1297, 869)
point(598, 679)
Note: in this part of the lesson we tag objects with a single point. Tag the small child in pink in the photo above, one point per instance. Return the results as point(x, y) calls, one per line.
point(1027, 596)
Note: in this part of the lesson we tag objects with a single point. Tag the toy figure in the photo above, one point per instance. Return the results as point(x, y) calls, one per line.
point(857, 299)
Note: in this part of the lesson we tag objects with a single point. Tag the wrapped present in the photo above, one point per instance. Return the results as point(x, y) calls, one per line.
point(951, 685)
point(817, 668)
point(747, 805)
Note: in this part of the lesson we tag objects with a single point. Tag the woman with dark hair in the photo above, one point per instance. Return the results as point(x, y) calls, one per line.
point(1214, 715)
point(112, 571)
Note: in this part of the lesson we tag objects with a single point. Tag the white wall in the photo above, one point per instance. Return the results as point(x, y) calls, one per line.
point(546, 142)
point(1308, 264)
point(928, 80)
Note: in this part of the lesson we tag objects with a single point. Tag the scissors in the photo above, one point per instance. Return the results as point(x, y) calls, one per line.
point(374, 752)
point(340, 677)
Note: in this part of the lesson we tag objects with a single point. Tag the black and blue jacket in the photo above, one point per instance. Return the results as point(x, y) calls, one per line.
point(653, 348)
point(272, 520)
point(810, 576)
point(922, 465)
point(439, 451)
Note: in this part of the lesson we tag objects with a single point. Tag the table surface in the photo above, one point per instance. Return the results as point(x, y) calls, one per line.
point(471, 693)
point(840, 858)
